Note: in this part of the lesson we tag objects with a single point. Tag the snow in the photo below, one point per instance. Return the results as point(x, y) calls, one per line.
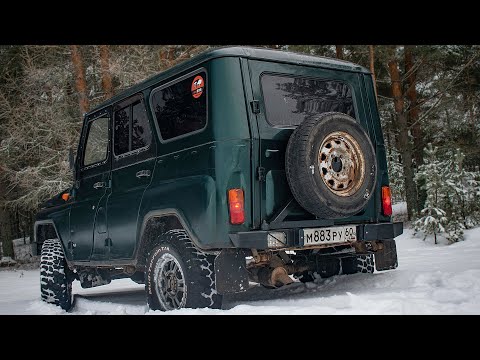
point(430, 279)
point(399, 208)
point(7, 260)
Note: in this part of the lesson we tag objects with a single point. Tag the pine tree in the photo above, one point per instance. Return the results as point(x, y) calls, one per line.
point(452, 195)
point(433, 217)
point(404, 145)
point(395, 176)
point(462, 200)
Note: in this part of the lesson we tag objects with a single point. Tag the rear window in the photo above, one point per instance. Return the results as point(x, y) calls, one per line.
point(289, 100)
point(181, 108)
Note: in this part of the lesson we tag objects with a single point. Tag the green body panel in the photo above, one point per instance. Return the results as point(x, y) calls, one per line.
point(193, 174)
point(190, 176)
point(127, 194)
point(88, 207)
point(275, 192)
point(123, 206)
point(61, 219)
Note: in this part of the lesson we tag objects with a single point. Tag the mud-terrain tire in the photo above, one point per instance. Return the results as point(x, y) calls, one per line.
point(330, 165)
point(365, 264)
point(178, 275)
point(358, 264)
point(349, 265)
point(55, 282)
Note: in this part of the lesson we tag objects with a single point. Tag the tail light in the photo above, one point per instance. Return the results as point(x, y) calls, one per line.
point(236, 205)
point(386, 201)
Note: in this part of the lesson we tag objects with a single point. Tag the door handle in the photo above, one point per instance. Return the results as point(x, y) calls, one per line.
point(270, 152)
point(99, 185)
point(143, 173)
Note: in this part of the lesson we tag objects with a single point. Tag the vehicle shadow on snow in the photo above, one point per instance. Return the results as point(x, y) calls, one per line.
point(120, 297)
point(322, 288)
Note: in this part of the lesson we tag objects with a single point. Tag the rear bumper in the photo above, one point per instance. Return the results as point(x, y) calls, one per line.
point(365, 232)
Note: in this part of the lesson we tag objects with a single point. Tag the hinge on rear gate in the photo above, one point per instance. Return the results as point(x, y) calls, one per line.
point(261, 173)
point(255, 106)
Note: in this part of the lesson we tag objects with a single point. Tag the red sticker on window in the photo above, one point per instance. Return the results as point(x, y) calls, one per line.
point(197, 86)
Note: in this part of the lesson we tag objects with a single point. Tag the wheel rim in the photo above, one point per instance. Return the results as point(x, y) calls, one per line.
point(170, 282)
point(341, 163)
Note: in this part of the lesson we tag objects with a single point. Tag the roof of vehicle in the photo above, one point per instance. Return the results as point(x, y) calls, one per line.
point(236, 51)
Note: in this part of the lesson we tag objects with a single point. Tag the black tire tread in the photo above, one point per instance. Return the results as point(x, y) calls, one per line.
point(296, 162)
point(199, 268)
point(365, 264)
point(296, 157)
point(356, 264)
point(55, 286)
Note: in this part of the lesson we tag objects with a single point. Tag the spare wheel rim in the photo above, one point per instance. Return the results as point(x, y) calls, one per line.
point(341, 163)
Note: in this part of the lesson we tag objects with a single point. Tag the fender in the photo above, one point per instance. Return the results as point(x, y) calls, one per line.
point(159, 214)
point(45, 222)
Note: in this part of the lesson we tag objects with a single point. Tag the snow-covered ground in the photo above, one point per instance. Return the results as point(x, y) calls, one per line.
point(430, 279)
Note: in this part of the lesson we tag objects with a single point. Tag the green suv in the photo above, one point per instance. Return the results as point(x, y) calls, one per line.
point(240, 165)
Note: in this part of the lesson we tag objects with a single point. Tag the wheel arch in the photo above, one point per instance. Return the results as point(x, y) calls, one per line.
point(43, 230)
point(156, 223)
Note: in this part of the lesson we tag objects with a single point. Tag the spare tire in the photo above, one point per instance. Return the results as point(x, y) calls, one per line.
point(331, 166)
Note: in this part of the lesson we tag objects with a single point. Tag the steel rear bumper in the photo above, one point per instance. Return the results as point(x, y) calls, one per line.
point(365, 232)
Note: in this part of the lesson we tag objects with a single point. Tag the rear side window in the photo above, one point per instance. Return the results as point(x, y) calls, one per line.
point(141, 135)
point(181, 108)
point(121, 131)
point(131, 130)
point(289, 100)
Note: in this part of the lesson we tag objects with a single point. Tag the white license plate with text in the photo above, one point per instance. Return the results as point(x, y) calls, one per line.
point(330, 235)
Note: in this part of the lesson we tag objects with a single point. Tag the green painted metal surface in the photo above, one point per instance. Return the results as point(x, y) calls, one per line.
point(190, 176)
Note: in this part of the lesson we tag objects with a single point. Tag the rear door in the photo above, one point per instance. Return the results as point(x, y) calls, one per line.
point(286, 94)
point(132, 169)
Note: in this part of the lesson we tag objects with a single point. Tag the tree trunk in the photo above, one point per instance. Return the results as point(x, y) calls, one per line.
point(80, 82)
point(371, 51)
point(106, 76)
point(163, 57)
point(339, 51)
point(413, 109)
point(403, 143)
point(416, 129)
point(171, 53)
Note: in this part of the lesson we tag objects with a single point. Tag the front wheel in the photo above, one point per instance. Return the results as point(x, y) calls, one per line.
point(55, 282)
point(178, 275)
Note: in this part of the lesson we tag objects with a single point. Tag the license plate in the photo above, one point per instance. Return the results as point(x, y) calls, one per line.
point(330, 235)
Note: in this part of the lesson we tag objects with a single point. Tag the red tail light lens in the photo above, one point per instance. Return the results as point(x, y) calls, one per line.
point(236, 205)
point(386, 201)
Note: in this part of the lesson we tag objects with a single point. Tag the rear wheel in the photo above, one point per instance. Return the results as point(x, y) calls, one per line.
point(340, 266)
point(55, 282)
point(178, 275)
point(358, 264)
point(365, 264)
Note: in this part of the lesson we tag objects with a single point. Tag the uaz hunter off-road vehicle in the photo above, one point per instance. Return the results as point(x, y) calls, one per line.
point(238, 165)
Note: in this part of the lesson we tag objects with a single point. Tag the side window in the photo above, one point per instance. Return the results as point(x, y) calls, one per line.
point(181, 108)
point(288, 99)
point(121, 131)
point(96, 147)
point(141, 134)
point(131, 128)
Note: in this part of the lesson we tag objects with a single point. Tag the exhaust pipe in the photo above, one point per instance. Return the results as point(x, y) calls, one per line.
point(274, 277)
